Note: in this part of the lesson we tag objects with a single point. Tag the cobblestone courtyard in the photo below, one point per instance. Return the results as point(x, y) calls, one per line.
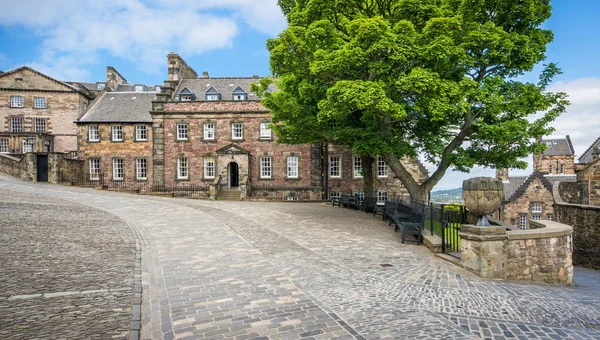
point(250, 270)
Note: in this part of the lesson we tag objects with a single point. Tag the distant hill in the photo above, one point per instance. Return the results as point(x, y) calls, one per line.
point(447, 196)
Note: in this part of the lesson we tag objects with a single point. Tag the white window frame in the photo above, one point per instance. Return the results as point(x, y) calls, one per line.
point(536, 217)
point(209, 168)
point(550, 169)
point(16, 101)
point(141, 133)
point(292, 166)
point(139, 88)
point(382, 196)
point(550, 217)
point(93, 133)
point(212, 97)
point(536, 207)
point(182, 132)
point(39, 102)
point(266, 167)
point(335, 166)
point(27, 144)
point(208, 131)
point(16, 124)
point(182, 168)
point(237, 126)
point(334, 194)
point(94, 164)
point(358, 168)
point(185, 98)
point(265, 131)
point(237, 97)
point(40, 128)
point(523, 221)
point(360, 196)
point(562, 169)
point(382, 168)
point(4, 145)
point(116, 133)
point(141, 168)
point(100, 86)
point(118, 167)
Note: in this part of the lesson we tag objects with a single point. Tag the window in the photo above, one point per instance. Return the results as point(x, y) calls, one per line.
point(185, 98)
point(237, 131)
point(360, 197)
point(40, 125)
point(158, 89)
point(209, 131)
point(292, 167)
point(358, 169)
point(117, 133)
point(139, 88)
point(28, 144)
point(209, 167)
point(523, 221)
point(16, 101)
point(93, 133)
point(265, 131)
point(382, 169)
point(4, 147)
point(39, 102)
point(141, 132)
point(550, 217)
point(182, 132)
point(212, 97)
point(117, 168)
point(238, 94)
point(536, 207)
point(382, 196)
point(94, 169)
point(550, 169)
point(335, 167)
point(536, 217)
point(265, 167)
point(100, 86)
point(562, 168)
point(141, 168)
point(16, 124)
point(335, 194)
point(182, 168)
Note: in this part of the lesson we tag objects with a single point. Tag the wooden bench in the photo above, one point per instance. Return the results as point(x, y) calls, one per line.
point(413, 224)
point(368, 204)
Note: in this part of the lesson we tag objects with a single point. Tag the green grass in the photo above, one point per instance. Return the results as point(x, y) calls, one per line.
point(451, 233)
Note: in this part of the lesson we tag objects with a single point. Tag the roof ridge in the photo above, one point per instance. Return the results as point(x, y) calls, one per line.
point(589, 148)
point(43, 75)
point(94, 103)
point(521, 190)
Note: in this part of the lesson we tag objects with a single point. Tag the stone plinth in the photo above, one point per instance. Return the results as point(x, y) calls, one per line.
point(483, 250)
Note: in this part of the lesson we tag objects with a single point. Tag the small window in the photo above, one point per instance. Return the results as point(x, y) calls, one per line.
point(237, 131)
point(360, 197)
point(117, 133)
point(141, 168)
point(292, 167)
point(141, 132)
point(209, 167)
point(562, 169)
point(550, 217)
point(16, 124)
point(94, 169)
point(139, 88)
point(382, 196)
point(209, 131)
point(93, 133)
point(536, 207)
point(382, 168)
point(335, 167)
point(536, 217)
point(117, 168)
point(182, 168)
point(100, 86)
point(550, 169)
point(185, 98)
point(239, 94)
point(212, 97)
point(28, 144)
point(523, 221)
point(182, 131)
point(40, 125)
point(158, 89)
point(16, 101)
point(4, 147)
point(358, 169)
point(335, 194)
point(39, 102)
point(265, 167)
point(265, 131)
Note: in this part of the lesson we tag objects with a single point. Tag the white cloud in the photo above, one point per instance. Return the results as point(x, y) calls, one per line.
point(75, 35)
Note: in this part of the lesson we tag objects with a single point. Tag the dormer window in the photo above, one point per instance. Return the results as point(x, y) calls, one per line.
point(212, 95)
point(100, 86)
point(158, 89)
point(186, 95)
point(239, 94)
point(140, 88)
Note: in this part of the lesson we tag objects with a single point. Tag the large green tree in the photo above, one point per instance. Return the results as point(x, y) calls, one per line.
point(402, 78)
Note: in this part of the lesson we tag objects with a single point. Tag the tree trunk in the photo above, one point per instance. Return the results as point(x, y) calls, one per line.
point(418, 192)
point(367, 165)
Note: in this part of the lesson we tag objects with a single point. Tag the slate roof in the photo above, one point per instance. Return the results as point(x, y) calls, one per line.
point(559, 147)
point(120, 107)
point(511, 186)
point(517, 185)
point(225, 87)
point(131, 88)
point(586, 157)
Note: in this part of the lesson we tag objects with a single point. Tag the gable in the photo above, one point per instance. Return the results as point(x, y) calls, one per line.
point(25, 78)
point(235, 149)
point(238, 90)
point(185, 91)
point(212, 90)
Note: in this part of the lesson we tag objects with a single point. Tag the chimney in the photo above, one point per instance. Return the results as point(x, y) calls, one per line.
point(178, 69)
point(502, 174)
point(114, 78)
point(256, 76)
point(205, 75)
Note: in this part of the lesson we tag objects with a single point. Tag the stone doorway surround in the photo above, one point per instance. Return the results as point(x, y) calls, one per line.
point(229, 154)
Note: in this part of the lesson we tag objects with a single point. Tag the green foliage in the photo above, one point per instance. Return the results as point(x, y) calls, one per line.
point(407, 77)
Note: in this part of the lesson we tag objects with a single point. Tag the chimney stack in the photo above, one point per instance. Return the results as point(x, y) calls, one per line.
point(114, 78)
point(502, 174)
point(178, 69)
point(205, 75)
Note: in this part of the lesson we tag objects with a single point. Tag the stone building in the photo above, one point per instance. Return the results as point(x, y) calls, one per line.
point(37, 112)
point(557, 159)
point(588, 175)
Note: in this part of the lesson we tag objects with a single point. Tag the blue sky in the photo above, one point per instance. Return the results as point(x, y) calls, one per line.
point(227, 38)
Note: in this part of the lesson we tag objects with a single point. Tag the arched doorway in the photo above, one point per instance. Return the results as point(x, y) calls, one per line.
point(234, 175)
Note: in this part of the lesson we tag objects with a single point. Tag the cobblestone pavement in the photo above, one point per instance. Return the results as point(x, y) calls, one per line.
point(66, 270)
point(282, 270)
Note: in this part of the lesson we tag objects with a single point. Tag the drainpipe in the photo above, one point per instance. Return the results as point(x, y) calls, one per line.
point(324, 167)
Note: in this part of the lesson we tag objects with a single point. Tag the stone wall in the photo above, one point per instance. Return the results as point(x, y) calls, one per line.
point(589, 182)
point(20, 167)
point(61, 167)
point(542, 163)
point(585, 220)
point(569, 192)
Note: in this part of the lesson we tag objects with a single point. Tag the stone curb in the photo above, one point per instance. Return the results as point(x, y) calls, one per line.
point(136, 314)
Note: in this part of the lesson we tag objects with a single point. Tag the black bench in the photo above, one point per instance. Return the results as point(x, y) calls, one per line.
point(401, 212)
point(413, 224)
point(369, 204)
point(347, 201)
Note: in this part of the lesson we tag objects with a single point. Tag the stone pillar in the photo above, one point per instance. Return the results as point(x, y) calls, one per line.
point(483, 250)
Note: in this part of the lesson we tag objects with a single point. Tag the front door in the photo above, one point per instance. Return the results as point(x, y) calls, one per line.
point(42, 168)
point(234, 175)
